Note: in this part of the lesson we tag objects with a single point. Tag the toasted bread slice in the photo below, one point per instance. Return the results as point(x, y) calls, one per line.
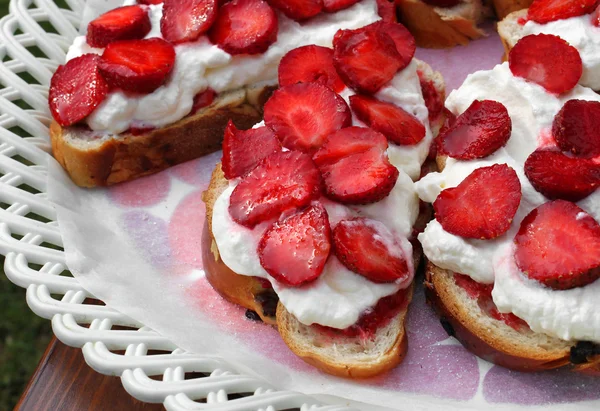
point(343, 356)
point(94, 161)
point(504, 7)
point(439, 27)
point(510, 30)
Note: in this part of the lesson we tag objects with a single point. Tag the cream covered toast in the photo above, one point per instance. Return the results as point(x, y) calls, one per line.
point(514, 249)
point(152, 85)
point(313, 211)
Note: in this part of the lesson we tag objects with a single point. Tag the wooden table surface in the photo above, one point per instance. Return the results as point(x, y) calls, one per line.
point(64, 382)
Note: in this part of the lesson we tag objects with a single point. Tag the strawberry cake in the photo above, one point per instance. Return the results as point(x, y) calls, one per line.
point(514, 249)
point(576, 21)
point(311, 214)
point(152, 85)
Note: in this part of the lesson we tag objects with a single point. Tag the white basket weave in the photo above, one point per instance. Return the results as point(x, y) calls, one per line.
point(30, 239)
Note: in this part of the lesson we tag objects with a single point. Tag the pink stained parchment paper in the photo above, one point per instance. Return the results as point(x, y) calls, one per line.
point(137, 247)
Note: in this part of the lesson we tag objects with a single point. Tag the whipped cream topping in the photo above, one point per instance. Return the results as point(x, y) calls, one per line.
point(571, 315)
point(339, 296)
point(532, 110)
point(200, 65)
point(581, 34)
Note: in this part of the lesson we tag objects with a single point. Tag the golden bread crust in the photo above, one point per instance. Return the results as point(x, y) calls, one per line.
point(504, 7)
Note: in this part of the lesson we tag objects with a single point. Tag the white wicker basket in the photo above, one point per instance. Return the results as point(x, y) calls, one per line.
point(30, 239)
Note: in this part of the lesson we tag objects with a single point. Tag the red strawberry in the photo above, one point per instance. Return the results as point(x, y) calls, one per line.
point(310, 64)
point(556, 175)
point(558, 245)
point(203, 99)
point(245, 27)
point(548, 61)
point(483, 205)
point(366, 58)
point(368, 248)
point(123, 23)
point(397, 125)
point(137, 65)
point(280, 182)
point(331, 6)
point(482, 129)
point(355, 167)
point(187, 20)
point(243, 149)
point(404, 40)
point(433, 100)
point(449, 119)
point(149, 1)
point(294, 251)
point(304, 114)
point(544, 11)
point(298, 9)
point(596, 17)
point(576, 126)
point(76, 89)
point(387, 10)
point(442, 3)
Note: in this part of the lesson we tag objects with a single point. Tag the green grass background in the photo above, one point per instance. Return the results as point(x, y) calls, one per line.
point(23, 335)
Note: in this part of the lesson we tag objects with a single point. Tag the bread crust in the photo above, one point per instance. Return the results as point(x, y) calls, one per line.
point(111, 160)
point(352, 369)
point(433, 29)
point(239, 289)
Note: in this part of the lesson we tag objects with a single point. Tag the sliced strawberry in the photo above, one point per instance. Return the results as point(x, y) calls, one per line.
point(546, 60)
point(331, 6)
point(482, 129)
point(141, 66)
point(596, 17)
point(149, 2)
point(576, 127)
point(544, 11)
point(243, 149)
point(294, 251)
point(442, 3)
point(203, 99)
point(298, 9)
point(122, 23)
point(245, 27)
point(483, 205)
point(76, 89)
point(397, 125)
point(556, 175)
point(366, 58)
point(355, 167)
point(558, 245)
point(387, 10)
point(187, 20)
point(433, 100)
point(348, 141)
point(304, 114)
point(368, 248)
point(280, 182)
point(449, 119)
point(404, 40)
point(310, 64)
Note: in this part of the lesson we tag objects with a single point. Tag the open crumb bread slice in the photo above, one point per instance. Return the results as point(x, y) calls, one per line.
point(510, 30)
point(94, 161)
point(343, 356)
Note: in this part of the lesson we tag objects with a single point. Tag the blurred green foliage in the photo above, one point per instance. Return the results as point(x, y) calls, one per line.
point(23, 335)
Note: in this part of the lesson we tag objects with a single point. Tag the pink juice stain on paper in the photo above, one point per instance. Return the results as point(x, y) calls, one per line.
point(197, 172)
point(143, 192)
point(185, 231)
